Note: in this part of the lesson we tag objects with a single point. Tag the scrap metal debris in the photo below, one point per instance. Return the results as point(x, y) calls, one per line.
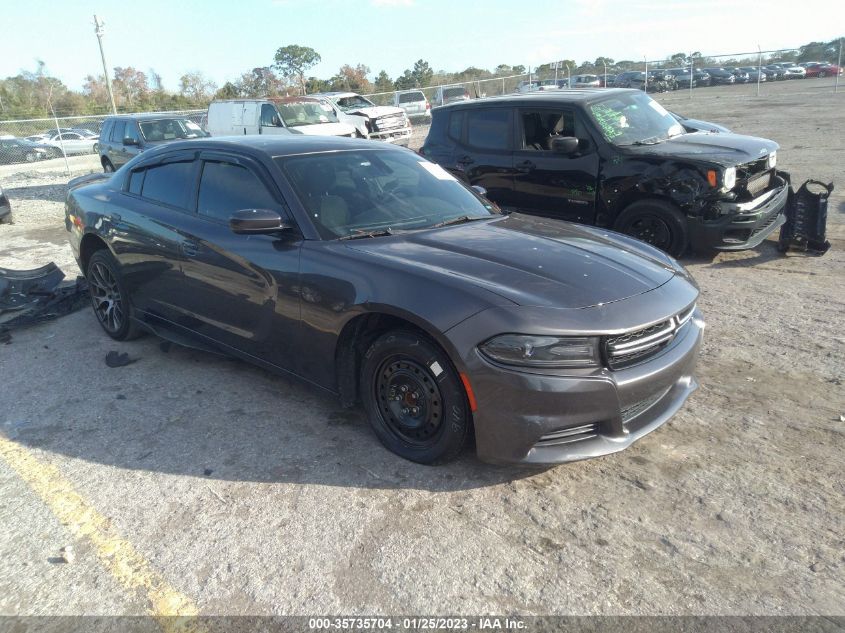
point(116, 359)
point(29, 297)
point(806, 219)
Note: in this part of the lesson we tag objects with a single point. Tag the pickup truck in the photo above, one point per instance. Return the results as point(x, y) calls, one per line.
point(614, 158)
point(383, 123)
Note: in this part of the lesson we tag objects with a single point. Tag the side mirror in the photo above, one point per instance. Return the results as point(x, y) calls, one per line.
point(257, 222)
point(276, 121)
point(564, 145)
point(130, 141)
point(481, 191)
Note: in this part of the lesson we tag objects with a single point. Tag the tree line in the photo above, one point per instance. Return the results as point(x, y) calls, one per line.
point(36, 94)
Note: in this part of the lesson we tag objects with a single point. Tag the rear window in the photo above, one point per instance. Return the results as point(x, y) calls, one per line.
point(456, 125)
point(169, 183)
point(489, 129)
point(104, 133)
point(410, 97)
point(454, 92)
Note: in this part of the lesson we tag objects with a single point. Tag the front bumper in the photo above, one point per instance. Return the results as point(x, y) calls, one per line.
point(398, 135)
point(540, 418)
point(741, 225)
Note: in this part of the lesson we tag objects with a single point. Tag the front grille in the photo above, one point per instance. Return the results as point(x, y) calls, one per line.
point(626, 349)
point(747, 170)
point(570, 435)
point(390, 122)
point(758, 184)
point(769, 221)
point(632, 411)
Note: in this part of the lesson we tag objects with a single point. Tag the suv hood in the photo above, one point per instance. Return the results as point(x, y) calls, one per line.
point(722, 149)
point(530, 261)
point(376, 111)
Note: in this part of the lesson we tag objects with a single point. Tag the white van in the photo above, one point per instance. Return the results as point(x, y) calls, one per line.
point(294, 115)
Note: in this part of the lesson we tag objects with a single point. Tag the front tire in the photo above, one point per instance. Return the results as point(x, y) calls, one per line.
point(414, 398)
point(656, 222)
point(109, 298)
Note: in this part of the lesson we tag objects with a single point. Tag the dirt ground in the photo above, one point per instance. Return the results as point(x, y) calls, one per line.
point(192, 479)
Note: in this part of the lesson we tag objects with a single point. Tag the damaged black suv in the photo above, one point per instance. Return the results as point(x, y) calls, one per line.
point(614, 158)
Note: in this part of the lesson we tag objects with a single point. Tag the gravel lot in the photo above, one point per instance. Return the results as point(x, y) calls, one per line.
point(246, 493)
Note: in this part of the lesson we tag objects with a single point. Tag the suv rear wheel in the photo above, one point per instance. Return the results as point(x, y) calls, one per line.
point(107, 166)
point(656, 222)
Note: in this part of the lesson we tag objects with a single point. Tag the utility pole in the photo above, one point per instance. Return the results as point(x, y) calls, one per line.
point(98, 29)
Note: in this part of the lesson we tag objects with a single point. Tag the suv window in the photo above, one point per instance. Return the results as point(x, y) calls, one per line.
point(169, 183)
point(456, 124)
point(489, 129)
point(131, 131)
point(540, 126)
point(226, 188)
point(117, 131)
point(411, 97)
point(106, 131)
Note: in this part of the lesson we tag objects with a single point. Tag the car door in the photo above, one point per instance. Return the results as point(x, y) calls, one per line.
point(241, 290)
point(549, 183)
point(484, 152)
point(270, 121)
point(117, 152)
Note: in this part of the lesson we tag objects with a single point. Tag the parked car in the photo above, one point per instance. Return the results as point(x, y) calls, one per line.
point(444, 95)
point(742, 76)
point(553, 84)
point(793, 71)
point(414, 103)
point(546, 341)
point(527, 86)
point(720, 76)
point(382, 123)
point(754, 73)
point(630, 79)
point(702, 77)
point(5, 206)
point(606, 81)
point(17, 150)
point(661, 80)
point(822, 69)
point(617, 159)
point(774, 73)
point(585, 81)
point(127, 135)
point(308, 115)
point(71, 144)
point(696, 125)
point(682, 77)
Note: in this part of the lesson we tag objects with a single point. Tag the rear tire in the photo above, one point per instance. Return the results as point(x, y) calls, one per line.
point(107, 166)
point(414, 399)
point(109, 298)
point(655, 222)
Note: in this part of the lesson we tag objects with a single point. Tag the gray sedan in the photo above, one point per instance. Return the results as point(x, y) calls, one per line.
point(373, 274)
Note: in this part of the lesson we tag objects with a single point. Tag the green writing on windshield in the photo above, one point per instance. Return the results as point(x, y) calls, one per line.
point(608, 119)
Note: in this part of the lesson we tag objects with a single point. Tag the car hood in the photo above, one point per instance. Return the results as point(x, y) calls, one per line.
point(722, 149)
point(376, 111)
point(530, 261)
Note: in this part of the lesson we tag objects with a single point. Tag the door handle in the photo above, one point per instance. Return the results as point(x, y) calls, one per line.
point(525, 166)
point(189, 248)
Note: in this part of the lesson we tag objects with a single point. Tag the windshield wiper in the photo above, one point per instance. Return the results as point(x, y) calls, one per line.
point(373, 233)
point(651, 140)
point(460, 220)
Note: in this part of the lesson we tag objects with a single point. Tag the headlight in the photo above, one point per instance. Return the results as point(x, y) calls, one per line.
point(729, 178)
point(773, 160)
point(543, 351)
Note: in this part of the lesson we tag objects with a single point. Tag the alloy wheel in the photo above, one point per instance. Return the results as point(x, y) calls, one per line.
point(105, 297)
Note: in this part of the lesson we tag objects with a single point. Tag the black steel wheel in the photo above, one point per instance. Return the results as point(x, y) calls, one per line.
point(109, 298)
point(414, 398)
point(655, 222)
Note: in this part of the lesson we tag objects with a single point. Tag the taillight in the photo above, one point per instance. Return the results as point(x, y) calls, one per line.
point(427, 105)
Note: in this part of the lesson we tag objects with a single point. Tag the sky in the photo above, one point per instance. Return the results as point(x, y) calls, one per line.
point(225, 38)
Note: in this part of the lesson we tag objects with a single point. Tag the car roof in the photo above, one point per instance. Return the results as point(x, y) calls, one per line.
point(277, 145)
point(335, 94)
point(146, 117)
point(575, 95)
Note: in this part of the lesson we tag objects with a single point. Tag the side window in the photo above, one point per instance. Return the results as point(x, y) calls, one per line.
point(105, 132)
point(117, 131)
point(456, 124)
point(136, 181)
point(489, 129)
point(540, 126)
point(268, 111)
point(170, 183)
point(226, 188)
point(131, 131)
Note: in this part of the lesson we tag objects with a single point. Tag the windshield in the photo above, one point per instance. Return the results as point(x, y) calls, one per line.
point(348, 104)
point(357, 192)
point(634, 119)
point(170, 129)
point(306, 113)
